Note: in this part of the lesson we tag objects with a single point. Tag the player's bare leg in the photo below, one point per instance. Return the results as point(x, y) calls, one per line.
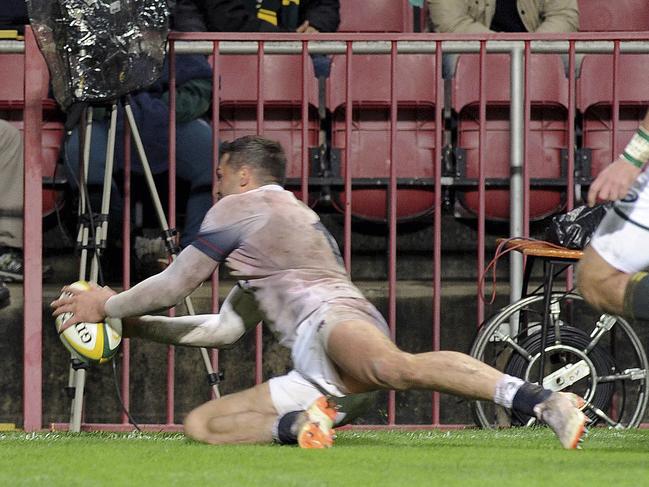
point(368, 360)
point(243, 417)
point(601, 284)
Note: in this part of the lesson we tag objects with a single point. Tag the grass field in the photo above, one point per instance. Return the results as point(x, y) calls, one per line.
point(522, 457)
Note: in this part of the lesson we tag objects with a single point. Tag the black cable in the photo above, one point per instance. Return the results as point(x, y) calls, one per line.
point(57, 211)
point(121, 402)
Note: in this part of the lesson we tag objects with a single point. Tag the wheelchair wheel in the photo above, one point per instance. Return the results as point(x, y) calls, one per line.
point(596, 356)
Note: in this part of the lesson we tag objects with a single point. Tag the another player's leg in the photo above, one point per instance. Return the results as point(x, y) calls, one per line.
point(611, 290)
point(367, 359)
point(243, 417)
point(610, 275)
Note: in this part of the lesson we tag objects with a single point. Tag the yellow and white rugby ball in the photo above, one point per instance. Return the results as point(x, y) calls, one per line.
point(93, 343)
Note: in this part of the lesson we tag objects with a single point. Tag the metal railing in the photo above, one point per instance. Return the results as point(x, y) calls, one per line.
point(520, 48)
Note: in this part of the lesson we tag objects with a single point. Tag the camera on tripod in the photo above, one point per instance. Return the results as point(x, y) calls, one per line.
point(100, 50)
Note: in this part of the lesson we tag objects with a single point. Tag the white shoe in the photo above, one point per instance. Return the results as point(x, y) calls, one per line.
point(562, 414)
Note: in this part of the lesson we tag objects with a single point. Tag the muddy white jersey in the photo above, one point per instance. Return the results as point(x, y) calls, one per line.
point(281, 251)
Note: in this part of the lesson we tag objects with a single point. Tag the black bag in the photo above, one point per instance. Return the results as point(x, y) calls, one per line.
point(99, 50)
point(574, 229)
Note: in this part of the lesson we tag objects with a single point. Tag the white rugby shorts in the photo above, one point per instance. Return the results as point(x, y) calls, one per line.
point(292, 392)
point(622, 238)
point(297, 390)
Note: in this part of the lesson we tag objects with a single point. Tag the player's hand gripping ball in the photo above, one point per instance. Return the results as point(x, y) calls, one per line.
point(93, 343)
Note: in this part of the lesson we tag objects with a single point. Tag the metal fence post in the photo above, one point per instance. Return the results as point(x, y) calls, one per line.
point(517, 160)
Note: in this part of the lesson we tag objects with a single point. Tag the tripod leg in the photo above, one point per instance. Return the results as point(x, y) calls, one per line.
point(100, 228)
point(77, 377)
point(169, 237)
point(82, 235)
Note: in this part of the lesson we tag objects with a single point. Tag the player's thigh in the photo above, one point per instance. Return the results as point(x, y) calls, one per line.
point(601, 284)
point(366, 358)
point(593, 267)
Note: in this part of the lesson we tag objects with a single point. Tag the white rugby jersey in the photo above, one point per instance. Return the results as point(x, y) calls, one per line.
point(279, 247)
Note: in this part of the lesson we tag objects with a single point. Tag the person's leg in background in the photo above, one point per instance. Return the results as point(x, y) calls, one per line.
point(194, 165)
point(11, 209)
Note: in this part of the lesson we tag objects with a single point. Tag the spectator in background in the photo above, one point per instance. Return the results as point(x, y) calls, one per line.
point(302, 16)
point(11, 209)
point(481, 16)
point(13, 15)
point(11, 206)
point(305, 16)
point(151, 111)
point(471, 16)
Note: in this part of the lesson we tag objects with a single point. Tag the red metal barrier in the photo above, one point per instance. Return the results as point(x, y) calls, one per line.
point(33, 235)
point(35, 70)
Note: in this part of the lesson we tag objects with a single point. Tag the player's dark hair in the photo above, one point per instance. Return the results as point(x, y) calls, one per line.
point(265, 157)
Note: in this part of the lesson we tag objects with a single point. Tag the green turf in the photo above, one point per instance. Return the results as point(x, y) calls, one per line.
point(521, 457)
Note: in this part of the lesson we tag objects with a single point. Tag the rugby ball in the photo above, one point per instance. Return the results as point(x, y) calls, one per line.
point(92, 343)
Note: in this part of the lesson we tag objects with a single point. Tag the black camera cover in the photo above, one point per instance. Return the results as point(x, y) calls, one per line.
point(99, 50)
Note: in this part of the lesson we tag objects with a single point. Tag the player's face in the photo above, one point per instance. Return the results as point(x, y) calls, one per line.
point(228, 179)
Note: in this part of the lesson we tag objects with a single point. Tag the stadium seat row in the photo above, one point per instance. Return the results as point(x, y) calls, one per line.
point(415, 99)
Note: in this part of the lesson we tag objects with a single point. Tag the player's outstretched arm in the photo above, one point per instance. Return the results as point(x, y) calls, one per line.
point(161, 291)
point(614, 181)
point(238, 314)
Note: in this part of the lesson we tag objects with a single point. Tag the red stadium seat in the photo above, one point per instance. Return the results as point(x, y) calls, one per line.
point(595, 100)
point(371, 129)
point(12, 87)
point(618, 15)
point(282, 93)
point(375, 16)
point(547, 137)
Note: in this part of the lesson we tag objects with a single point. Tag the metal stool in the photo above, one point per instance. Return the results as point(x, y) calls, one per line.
point(556, 339)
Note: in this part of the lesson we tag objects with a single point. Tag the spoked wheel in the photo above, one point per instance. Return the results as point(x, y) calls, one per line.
point(598, 357)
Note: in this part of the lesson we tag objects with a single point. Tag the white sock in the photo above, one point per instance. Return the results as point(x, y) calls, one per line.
point(506, 389)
